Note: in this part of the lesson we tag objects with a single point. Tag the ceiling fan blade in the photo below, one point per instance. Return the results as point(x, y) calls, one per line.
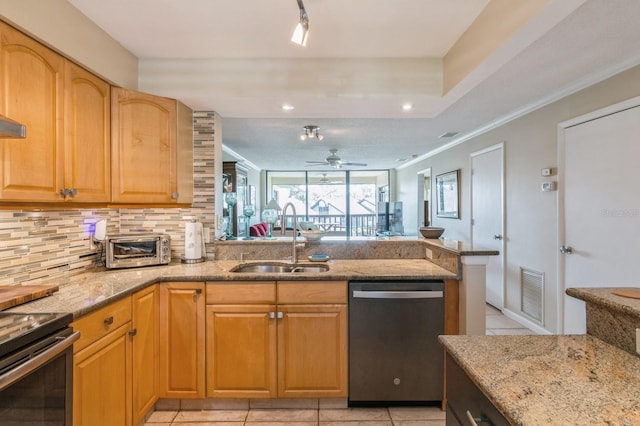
point(349, 163)
point(317, 162)
point(314, 163)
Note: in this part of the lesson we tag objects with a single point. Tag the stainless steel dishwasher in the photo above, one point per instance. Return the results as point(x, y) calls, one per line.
point(394, 355)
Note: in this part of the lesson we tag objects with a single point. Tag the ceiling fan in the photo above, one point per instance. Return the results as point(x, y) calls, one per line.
point(334, 160)
point(324, 179)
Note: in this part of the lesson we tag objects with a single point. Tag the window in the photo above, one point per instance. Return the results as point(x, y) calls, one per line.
point(342, 203)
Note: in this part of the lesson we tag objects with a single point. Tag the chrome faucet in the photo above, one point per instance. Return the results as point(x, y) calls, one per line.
point(294, 250)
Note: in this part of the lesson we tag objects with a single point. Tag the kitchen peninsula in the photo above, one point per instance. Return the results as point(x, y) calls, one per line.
point(556, 380)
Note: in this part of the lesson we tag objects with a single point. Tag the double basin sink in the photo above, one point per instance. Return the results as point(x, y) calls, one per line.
point(280, 268)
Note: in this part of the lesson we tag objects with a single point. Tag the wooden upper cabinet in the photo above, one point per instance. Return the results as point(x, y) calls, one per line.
point(66, 109)
point(31, 92)
point(151, 149)
point(87, 113)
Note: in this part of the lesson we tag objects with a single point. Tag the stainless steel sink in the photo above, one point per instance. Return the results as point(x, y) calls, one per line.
point(280, 268)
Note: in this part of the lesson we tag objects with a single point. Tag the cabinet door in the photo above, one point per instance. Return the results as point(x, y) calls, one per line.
point(87, 136)
point(102, 381)
point(241, 351)
point(182, 340)
point(143, 148)
point(312, 351)
point(145, 351)
point(31, 92)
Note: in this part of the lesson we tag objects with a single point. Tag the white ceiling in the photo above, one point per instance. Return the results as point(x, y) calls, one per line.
point(363, 60)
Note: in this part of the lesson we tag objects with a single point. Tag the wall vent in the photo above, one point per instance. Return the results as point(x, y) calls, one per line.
point(532, 294)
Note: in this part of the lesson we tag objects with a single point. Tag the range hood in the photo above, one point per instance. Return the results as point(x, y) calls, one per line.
point(11, 129)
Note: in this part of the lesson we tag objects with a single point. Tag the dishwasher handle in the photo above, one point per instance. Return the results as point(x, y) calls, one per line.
point(418, 294)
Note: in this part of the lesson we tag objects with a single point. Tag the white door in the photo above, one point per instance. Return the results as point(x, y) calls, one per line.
point(487, 215)
point(601, 218)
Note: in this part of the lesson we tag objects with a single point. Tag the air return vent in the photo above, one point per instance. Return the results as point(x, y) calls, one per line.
point(532, 291)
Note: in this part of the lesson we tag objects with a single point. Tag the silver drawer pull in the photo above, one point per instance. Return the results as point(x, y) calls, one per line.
point(475, 420)
point(360, 294)
point(272, 315)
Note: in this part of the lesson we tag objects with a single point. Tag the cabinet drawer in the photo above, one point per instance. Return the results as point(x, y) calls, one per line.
point(309, 292)
point(97, 324)
point(241, 292)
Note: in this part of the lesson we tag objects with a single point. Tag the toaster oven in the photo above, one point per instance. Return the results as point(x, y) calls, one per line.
point(134, 250)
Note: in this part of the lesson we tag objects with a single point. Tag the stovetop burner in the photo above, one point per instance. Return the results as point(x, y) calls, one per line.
point(18, 330)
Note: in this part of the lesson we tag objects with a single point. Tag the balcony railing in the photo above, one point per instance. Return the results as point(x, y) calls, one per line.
point(360, 224)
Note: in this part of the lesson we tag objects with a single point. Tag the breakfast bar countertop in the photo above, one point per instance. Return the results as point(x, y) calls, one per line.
point(544, 379)
point(83, 293)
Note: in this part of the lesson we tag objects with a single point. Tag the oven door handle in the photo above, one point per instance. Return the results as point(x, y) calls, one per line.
point(37, 361)
point(417, 294)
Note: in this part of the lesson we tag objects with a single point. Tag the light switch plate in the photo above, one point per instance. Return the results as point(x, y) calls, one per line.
point(547, 171)
point(549, 186)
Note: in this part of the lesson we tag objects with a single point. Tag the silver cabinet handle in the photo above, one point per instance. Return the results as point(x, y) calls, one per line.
point(280, 315)
point(566, 249)
point(360, 294)
point(475, 420)
point(497, 237)
point(272, 315)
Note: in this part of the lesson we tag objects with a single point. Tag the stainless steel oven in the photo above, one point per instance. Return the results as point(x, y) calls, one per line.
point(36, 369)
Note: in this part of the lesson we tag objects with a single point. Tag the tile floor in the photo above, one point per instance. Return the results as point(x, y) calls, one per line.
point(497, 324)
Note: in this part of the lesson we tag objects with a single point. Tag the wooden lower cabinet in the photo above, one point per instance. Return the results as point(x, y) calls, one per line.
point(257, 348)
point(312, 351)
point(102, 381)
point(241, 351)
point(182, 336)
point(145, 350)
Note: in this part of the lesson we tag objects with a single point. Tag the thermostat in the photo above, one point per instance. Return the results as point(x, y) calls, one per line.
point(549, 186)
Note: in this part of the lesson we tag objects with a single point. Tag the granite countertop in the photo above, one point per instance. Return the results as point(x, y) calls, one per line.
point(453, 246)
point(559, 380)
point(84, 293)
point(603, 296)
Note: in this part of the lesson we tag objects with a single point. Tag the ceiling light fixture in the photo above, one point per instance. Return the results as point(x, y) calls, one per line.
point(287, 107)
point(301, 32)
point(407, 107)
point(311, 131)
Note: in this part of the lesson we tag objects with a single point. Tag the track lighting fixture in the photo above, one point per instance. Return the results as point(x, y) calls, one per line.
point(302, 29)
point(311, 131)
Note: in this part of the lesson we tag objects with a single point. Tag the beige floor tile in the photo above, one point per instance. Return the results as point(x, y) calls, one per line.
point(162, 416)
point(354, 414)
point(263, 423)
point(416, 413)
point(300, 404)
point(333, 403)
point(211, 416)
point(282, 415)
point(207, 424)
point(359, 423)
point(500, 321)
point(419, 423)
point(511, 331)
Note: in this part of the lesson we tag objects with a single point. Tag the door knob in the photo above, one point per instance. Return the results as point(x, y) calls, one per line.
point(497, 237)
point(566, 250)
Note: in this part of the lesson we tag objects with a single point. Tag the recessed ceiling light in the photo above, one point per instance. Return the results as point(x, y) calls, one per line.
point(407, 107)
point(287, 107)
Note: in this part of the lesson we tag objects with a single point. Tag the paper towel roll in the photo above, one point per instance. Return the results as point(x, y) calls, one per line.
point(193, 240)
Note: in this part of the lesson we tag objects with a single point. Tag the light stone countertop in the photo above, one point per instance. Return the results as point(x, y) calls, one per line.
point(87, 292)
point(552, 380)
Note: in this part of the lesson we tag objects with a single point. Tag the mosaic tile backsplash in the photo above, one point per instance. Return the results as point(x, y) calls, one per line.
point(40, 245)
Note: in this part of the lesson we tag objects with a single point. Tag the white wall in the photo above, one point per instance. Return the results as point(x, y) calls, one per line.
point(531, 215)
point(62, 27)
